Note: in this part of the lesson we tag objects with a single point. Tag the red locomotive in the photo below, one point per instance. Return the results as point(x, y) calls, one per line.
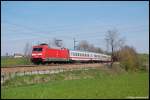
point(42, 53)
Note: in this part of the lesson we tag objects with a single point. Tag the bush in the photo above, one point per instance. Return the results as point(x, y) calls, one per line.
point(129, 59)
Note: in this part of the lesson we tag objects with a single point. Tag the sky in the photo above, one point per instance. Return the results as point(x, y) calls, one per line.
point(41, 21)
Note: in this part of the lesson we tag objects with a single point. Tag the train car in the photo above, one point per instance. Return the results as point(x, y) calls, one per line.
point(84, 56)
point(79, 56)
point(42, 53)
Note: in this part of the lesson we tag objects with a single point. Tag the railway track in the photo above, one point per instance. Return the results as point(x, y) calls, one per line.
point(18, 66)
point(27, 68)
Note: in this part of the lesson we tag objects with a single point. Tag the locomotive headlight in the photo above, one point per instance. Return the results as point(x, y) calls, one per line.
point(39, 54)
point(33, 54)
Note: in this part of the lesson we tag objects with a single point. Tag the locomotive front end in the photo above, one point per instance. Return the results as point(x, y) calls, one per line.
point(38, 54)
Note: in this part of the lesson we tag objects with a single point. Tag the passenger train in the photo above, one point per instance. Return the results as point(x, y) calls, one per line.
point(43, 54)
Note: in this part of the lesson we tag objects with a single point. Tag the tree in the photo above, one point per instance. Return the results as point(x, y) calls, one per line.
point(86, 46)
point(113, 42)
point(91, 48)
point(128, 58)
point(83, 45)
point(98, 50)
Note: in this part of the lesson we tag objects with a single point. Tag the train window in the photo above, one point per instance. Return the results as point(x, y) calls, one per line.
point(37, 49)
point(104, 56)
point(90, 55)
point(75, 54)
point(82, 54)
point(86, 55)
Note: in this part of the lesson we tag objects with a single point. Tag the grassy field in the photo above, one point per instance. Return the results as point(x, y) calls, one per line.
point(93, 83)
point(10, 61)
point(144, 57)
point(144, 61)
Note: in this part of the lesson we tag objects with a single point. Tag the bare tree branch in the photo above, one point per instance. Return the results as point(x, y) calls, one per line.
point(114, 42)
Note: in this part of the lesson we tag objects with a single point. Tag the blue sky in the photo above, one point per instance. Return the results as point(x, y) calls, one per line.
point(35, 21)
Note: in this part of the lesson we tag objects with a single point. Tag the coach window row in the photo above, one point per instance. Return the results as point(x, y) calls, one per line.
point(97, 56)
point(80, 54)
point(104, 57)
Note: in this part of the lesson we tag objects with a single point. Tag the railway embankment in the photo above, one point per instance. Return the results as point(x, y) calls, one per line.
point(10, 72)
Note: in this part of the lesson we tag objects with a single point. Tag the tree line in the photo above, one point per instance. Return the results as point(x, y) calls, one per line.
point(126, 55)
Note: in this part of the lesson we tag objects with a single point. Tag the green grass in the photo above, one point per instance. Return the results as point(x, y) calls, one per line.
point(144, 58)
point(5, 62)
point(78, 84)
point(143, 61)
point(68, 75)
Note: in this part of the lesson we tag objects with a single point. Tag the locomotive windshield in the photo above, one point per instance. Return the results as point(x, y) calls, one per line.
point(37, 49)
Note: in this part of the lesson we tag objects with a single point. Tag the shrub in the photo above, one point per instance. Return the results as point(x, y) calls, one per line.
point(129, 59)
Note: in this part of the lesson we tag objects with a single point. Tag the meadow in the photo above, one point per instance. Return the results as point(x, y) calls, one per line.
point(81, 84)
point(10, 61)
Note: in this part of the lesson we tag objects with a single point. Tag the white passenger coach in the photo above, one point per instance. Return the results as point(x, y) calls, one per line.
point(88, 56)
